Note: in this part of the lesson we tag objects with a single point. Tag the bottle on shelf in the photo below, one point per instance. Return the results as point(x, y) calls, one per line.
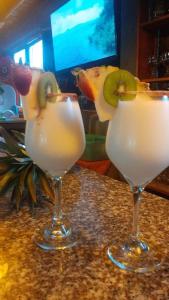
point(153, 63)
point(163, 64)
point(153, 43)
point(167, 7)
point(157, 8)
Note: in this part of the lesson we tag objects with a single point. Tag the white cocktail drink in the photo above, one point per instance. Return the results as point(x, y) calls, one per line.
point(55, 139)
point(137, 143)
point(138, 138)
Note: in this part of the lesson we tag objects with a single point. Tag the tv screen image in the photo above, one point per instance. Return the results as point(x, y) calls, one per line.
point(83, 31)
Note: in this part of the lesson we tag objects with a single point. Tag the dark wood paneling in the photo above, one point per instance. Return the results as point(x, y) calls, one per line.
point(153, 40)
point(128, 42)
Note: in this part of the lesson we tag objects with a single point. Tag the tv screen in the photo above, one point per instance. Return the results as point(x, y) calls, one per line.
point(83, 31)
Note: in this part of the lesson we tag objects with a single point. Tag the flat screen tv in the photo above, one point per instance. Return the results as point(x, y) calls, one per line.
point(84, 34)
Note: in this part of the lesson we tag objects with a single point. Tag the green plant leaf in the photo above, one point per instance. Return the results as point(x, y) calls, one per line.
point(31, 183)
point(4, 146)
point(9, 187)
point(6, 159)
point(20, 136)
point(18, 192)
point(6, 178)
point(10, 141)
point(46, 186)
point(20, 175)
point(16, 197)
point(4, 168)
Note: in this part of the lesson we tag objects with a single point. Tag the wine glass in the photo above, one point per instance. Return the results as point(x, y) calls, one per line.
point(137, 143)
point(55, 140)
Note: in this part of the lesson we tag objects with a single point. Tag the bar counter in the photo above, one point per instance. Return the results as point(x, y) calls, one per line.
point(17, 124)
point(100, 208)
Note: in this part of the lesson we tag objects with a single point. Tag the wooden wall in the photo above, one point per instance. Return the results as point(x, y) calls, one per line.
point(128, 39)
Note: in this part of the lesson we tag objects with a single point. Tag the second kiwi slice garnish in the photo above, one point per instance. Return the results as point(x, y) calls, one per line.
point(121, 85)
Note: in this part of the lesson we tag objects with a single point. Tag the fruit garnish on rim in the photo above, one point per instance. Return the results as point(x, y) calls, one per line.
point(34, 85)
point(47, 89)
point(119, 85)
point(22, 78)
point(30, 103)
point(84, 84)
point(90, 82)
point(105, 85)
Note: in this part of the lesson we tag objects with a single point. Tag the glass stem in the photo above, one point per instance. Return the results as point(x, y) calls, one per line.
point(136, 204)
point(57, 210)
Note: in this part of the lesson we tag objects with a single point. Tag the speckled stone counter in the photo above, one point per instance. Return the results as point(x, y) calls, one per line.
point(101, 210)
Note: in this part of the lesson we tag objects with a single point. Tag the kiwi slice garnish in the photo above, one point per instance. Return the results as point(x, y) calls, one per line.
point(121, 85)
point(47, 85)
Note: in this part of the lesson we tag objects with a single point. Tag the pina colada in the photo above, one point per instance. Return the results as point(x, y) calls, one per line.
point(137, 143)
point(55, 139)
point(138, 138)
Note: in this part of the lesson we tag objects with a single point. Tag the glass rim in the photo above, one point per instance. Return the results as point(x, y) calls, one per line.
point(72, 96)
point(150, 92)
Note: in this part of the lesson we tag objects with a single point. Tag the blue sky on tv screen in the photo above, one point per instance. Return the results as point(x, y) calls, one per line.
point(83, 31)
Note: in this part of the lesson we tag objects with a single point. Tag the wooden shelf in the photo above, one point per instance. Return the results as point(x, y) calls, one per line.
point(160, 79)
point(153, 39)
point(160, 23)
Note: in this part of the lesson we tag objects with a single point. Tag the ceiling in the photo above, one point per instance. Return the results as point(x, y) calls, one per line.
point(22, 19)
point(11, 10)
point(6, 7)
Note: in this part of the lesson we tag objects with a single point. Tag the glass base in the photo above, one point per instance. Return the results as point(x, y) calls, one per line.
point(134, 255)
point(57, 236)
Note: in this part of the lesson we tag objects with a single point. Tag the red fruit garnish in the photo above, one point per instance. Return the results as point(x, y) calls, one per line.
point(84, 85)
point(22, 78)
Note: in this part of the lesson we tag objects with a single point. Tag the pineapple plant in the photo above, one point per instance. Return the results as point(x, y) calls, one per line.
point(18, 173)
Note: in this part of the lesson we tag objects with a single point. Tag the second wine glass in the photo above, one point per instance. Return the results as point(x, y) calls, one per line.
point(138, 144)
point(55, 140)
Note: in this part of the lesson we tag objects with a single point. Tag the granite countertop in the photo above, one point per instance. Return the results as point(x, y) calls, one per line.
point(100, 208)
